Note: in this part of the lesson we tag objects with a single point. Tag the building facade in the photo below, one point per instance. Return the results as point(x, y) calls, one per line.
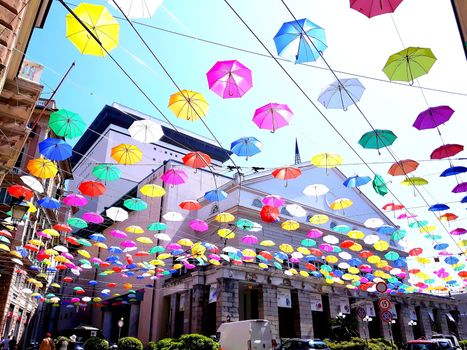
point(460, 11)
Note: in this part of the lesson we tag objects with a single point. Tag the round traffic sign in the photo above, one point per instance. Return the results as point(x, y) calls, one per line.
point(384, 304)
point(361, 312)
point(381, 287)
point(120, 323)
point(386, 316)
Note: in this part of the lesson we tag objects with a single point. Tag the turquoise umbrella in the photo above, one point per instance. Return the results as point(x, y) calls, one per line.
point(77, 222)
point(157, 226)
point(377, 139)
point(379, 185)
point(106, 172)
point(135, 204)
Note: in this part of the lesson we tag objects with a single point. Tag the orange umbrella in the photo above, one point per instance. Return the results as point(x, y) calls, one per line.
point(196, 160)
point(448, 217)
point(286, 173)
point(403, 167)
point(92, 188)
point(190, 205)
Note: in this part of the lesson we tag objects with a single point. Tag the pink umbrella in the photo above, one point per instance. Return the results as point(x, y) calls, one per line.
point(75, 300)
point(375, 8)
point(229, 79)
point(68, 256)
point(174, 177)
point(199, 225)
point(273, 201)
point(174, 246)
point(249, 239)
point(93, 217)
point(95, 260)
point(442, 273)
point(444, 253)
point(75, 200)
point(407, 216)
point(314, 233)
point(326, 247)
point(272, 116)
point(42, 234)
point(118, 234)
point(214, 257)
point(458, 231)
point(128, 244)
point(294, 260)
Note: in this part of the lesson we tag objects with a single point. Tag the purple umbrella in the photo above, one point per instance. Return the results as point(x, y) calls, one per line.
point(249, 239)
point(92, 217)
point(314, 233)
point(199, 225)
point(128, 244)
point(273, 201)
point(272, 116)
point(326, 247)
point(433, 117)
point(174, 177)
point(462, 187)
point(118, 234)
point(174, 246)
point(229, 79)
point(75, 200)
point(458, 231)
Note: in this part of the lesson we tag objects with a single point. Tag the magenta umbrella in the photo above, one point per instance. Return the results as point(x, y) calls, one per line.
point(67, 255)
point(75, 200)
point(462, 187)
point(44, 235)
point(118, 234)
point(314, 233)
point(273, 201)
point(272, 116)
point(371, 8)
point(174, 246)
point(249, 239)
point(128, 244)
point(326, 247)
point(229, 79)
point(174, 177)
point(199, 225)
point(93, 217)
point(458, 231)
point(406, 216)
point(433, 117)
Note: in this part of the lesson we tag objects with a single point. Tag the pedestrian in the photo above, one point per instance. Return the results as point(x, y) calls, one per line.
point(5, 343)
point(72, 342)
point(12, 344)
point(47, 343)
point(62, 343)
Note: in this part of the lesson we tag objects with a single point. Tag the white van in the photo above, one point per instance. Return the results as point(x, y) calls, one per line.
point(245, 335)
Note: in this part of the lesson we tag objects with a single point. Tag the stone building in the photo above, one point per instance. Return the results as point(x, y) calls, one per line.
point(460, 11)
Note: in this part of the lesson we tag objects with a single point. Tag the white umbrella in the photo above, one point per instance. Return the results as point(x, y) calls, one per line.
point(256, 227)
point(173, 216)
point(145, 131)
point(374, 223)
point(295, 210)
point(343, 265)
point(331, 239)
point(116, 214)
point(371, 239)
point(315, 190)
point(137, 8)
point(162, 237)
point(61, 249)
point(32, 183)
point(345, 255)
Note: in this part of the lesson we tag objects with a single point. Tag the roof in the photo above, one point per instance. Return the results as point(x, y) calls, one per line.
point(124, 117)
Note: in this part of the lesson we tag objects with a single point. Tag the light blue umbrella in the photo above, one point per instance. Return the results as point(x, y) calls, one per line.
point(246, 147)
point(49, 203)
point(341, 95)
point(97, 237)
point(300, 41)
point(356, 181)
point(115, 250)
point(386, 230)
point(215, 195)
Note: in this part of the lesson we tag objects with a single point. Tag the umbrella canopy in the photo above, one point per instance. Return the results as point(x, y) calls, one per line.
point(215, 195)
point(379, 185)
point(296, 210)
point(190, 205)
point(137, 8)
point(454, 170)
point(116, 214)
point(145, 131)
point(272, 116)
point(75, 200)
point(92, 188)
point(55, 149)
point(174, 177)
point(188, 105)
point(341, 204)
point(19, 191)
point(377, 139)
point(77, 222)
point(446, 151)
point(371, 8)
point(229, 79)
point(106, 172)
point(286, 173)
point(135, 204)
point(196, 160)
point(126, 154)
point(414, 181)
point(403, 167)
point(42, 168)
point(32, 183)
point(433, 117)
point(409, 64)
point(93, 217)
point(315, 190)
point(269, 214)
point(326, 160)
point(356, 181)
point(100, 22)
point(246, 147)
point(300, 41)
point(341, 94)
point(49, 203)
point(66, 124)
point(199, 225)
point(459, 188)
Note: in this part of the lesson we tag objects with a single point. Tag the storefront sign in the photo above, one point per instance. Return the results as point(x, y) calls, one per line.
point(284, 298)
point(370, 309)
point(344, 305)
point(316, 302)
point(394, 311)
point(212, 293)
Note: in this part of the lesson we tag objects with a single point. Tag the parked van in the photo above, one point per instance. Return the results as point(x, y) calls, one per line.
point(246, 335)
point(451, 338)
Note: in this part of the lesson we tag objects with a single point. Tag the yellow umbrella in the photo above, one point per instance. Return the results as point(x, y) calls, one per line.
point(16, 254)
point(32, 208)
point(303, 250)
point(188, 105)
point(164, 256)
point(326, 160)
point(52, 252)
point(355, 234)
point(36, 242)
point(381, 264)
point(185, 242)
point(43, 168)
point(214, 262)
point(304, 274)
point(100, 22)
point(56, 285)
point(427, 228)
point(332, 259)
point(152, 190)
point(422, 260)
point(226, 233)
point(356, 247)
point(134, 229)
point(290, 225)
point(263, 265)
point(177, 266)
point(100, 245)
point(126, 154)
point(374, 259)
point(340, 204)
point(225, 217)
point(157, 262)
point(267, 243)
point(381, 245)
point(145, 240)
point(198, 250)
point(286, 248)
point(353, 270)
point(319, 219)
point(4, 247)
point(60, 258)
point(84, 253)
point(52, 232)
point(249, 253)
point(414, 181)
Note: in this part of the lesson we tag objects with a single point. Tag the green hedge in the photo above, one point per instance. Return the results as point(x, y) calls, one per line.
point(185, 342)
point(130, 343)
point(96, 343)
point(360, 344)
point(463, 343)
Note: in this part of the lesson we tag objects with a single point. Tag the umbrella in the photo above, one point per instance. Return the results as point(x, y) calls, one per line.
point(272, 116)
point(326, 160)
point(224, 217)
point(135, 204)
point(393, 206)
point(459, 188)
point(75, 200)
point(67, 124)
point(196, 160)
point(98, 237)
point(446, 151)
point(246, 147)
point(454, 170)
point(356, 181)
point(269, 214)
point(315, 190)
point(55, 149)
point(199, 225)
point(137, 8)
point(371, 8)
point(100, 22)
point(151, 190)
point(433, 117)
point(458, 231)
point(145, 131)
point(341, 94)
point(174, 177)
point(215, 195)
point(77, 222)
point(379, 185)
point(373, 223)
point(157, 226)
point(403, 167)
point(190, 205)
point(188, 105)
point(42, 168)
point(386, 230)
point(245, 224)
point(172, 216)
point(106, 172)
point(62, 227)
point(286, 173)
point(290, 225)
point(93, 217)
point(414, 181)
point(448, 217)
point(229, 79)
point(32, 183)
point(126, 154)
point(319, 219)
point(300, 41)
point(49, 203)
point(19, 191)
point(438, 207)
point(92, 188)
point(295, 210)
point(340, 204)
point(377, 139)
point(409, 64)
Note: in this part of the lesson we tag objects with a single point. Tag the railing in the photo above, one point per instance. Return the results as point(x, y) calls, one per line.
point(31, 71)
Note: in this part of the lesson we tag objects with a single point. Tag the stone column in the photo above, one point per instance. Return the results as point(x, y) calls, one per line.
point(403, 324)
point(334, 306)
point(172, 314)
point(306, 315)
point(187, 312)
point(270, 310)
point(133, 321)
point(442, 320)
point(363, 329)
point(462, 326)
point(227, 301)
point(424, 323)
point(107, 324)
point(198, 303)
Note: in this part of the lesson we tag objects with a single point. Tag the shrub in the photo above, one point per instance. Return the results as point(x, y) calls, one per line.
point(197, 342)
point(360, 344)
point(152, 345)
point(168, 344)
point(96, 343)
point(130, 343)
point(463, 343)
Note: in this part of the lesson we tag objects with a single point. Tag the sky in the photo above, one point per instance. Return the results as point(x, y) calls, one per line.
point(356, 45)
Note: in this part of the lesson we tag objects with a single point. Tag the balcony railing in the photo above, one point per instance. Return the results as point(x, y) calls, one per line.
point(31, 71)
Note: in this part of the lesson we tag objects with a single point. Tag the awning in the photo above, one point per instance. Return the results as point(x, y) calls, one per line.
point(432, 317)
point(450, 318)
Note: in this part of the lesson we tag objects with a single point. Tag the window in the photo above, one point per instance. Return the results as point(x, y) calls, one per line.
point(5, 198)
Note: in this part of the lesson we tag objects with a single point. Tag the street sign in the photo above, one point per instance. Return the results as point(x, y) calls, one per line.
point(361, 312)
point(384, 304)
point(381, 287)
point(120, 323)
point(386, 316)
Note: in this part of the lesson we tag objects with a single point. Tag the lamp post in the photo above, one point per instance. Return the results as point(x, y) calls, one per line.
point(18, 211)
point(367, 319)
point(120, 325)
point(340, 316)
point(412, 324)
point(391, 332)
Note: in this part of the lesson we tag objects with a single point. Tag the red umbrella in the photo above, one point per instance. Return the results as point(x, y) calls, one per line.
point(316, 252)
point(347, 244)
point(403, 167)
point(286, 173)
point(269, 214)
point(19, 191)
point(393, 206)
point(415, 251)
point(67, 279)
point(63, 228)
point(72, 240)
point(5, 233)
point(92, 188)
point(446, 151)
point(374, 8)
point(31, 247)
point(365, 254)
point(197, 160)
point(190, 205)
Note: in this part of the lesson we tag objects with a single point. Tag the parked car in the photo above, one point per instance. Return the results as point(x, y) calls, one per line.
point(304, 344)
point(452, 338)
point(422, 344)
point(246, 335)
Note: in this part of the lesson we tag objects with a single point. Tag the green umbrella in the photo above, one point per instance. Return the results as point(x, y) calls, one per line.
point(106, 172)
point(67, 124)
point(377, 139)
point(391, 256)
point(77, 222)
point(135, 204)
point(409, 64)
point(418, 224)
point(379, 185)
point(157, 226)
point(156, 249)
point(398, 235)
point(84, 242)
point(245, 224)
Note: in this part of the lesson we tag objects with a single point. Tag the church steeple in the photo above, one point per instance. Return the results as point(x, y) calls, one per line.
point(297, 153)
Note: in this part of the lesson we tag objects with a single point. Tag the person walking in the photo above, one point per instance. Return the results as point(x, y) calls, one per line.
point(5, 343)
point(12, 345)
point(72, 342)
point(62, 343)
point(47, 343)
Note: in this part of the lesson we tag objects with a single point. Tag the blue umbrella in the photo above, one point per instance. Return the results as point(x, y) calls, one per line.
point(215, 195)
point(341, 94)
point(356, 181)
point(386, 229)
point(300, 41)
point(92, 282)
point(454, 170)
point(464, 200)
point(98, 237)
point(55, 149)
point(400, 262)
point(49, 203)
point(440, 246)
point(246, 147)
point(438, 207)
point(355, 262)
point(115, 250)
point(451, 260)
